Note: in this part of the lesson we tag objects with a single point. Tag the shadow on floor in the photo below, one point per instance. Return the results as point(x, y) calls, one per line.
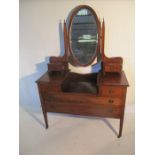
point(106, 121)
point(28, 93)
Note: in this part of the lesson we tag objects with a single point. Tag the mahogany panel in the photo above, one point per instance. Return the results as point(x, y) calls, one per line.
point(92, 110)
point(112, 90)
point(50, 88)
point(108, 79)
point(75, 98)
point(112, 67)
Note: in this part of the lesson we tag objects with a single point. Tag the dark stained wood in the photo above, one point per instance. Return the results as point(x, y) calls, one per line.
point(66, 41)
point(98, 110)
point(55, 78)
point(43, 105)
point(109, 101)
point(95, 94)
point(122, 113)
point(112, 91)
point(107, 79)
point(118, 79)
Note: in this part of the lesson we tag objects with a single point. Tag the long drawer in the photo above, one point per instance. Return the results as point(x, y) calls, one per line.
point(92, 110)
point(83, 104)
point(74, 98)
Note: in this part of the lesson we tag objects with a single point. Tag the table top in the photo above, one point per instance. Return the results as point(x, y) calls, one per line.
point(115, 79)
point(107, 79)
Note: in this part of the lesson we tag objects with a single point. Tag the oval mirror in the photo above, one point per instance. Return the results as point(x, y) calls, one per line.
point(83, 36)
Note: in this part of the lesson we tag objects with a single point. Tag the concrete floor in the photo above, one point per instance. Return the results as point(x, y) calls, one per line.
point(74, 135)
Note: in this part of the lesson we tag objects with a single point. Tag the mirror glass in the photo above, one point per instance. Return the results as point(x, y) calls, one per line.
point(84, 36)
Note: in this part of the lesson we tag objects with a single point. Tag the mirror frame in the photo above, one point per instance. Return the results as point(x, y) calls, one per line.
point(74, 60)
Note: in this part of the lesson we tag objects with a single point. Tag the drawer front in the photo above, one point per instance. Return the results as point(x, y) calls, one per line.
point(112, 91)
point(83, 104)
point(55, 98)
point(92, 110)
point(56, 67)
point(113, 67)
point(49, 88)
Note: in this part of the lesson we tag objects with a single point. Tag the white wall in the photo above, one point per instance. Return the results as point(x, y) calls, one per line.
point(40, 38)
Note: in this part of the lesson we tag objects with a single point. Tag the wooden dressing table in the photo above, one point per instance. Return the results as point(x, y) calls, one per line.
point(93, 94)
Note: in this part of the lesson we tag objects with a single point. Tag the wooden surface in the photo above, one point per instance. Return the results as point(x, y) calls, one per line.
point(108, 79)
point(88, 94)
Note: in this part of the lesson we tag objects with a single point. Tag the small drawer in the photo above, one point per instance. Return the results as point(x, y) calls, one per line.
point(50, 88)
point(112, 101)
point(111, 91)
point(113, 67)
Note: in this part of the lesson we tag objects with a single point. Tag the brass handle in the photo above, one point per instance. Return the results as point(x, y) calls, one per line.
point(111, 101)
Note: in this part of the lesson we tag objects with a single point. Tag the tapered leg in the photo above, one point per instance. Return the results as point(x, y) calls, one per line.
point(45, 118)
point(121, 127)
point(43, 107)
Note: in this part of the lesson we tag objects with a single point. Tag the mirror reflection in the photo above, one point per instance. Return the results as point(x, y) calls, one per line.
point(84, 36)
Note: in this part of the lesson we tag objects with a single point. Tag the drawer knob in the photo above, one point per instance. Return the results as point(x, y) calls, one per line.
point(111, 101)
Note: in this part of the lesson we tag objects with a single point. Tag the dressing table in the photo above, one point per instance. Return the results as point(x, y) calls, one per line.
point(101, 93)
